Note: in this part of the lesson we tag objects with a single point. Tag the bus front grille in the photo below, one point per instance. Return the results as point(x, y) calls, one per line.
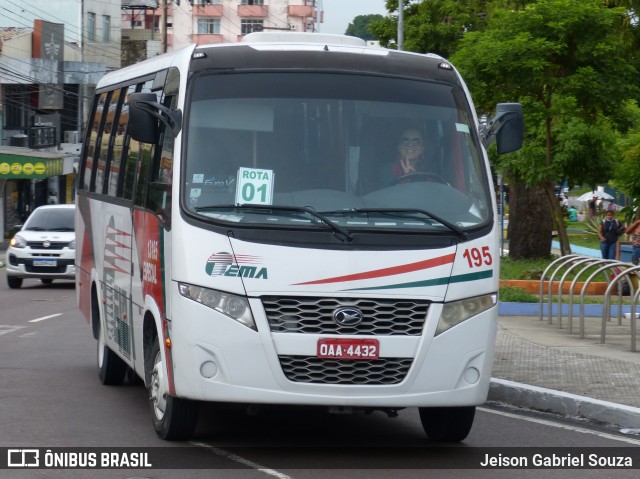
point(309, 369)
point(311, 315)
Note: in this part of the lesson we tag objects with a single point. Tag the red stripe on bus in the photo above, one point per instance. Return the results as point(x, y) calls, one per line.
point(393, 270)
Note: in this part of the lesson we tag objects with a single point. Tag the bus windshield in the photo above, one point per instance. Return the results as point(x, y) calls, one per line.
point(309, 149)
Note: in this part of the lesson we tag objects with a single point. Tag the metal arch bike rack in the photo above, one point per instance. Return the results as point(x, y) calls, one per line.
point(624, 275)
point(595, 262)
point(585, 259)
point(609, 264)
point(560, 261)
point(624, 267)
point(633, 316)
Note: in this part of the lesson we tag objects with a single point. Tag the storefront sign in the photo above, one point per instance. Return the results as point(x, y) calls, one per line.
point(29, 167)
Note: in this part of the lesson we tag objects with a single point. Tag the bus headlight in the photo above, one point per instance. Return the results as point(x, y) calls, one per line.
point(458, 311)
point(231, 305)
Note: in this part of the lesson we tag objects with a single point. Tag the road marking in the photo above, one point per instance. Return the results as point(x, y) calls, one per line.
point(546, 422)
point(241, 460)
point(37, 320)
point(27, 334)
point(4, 329)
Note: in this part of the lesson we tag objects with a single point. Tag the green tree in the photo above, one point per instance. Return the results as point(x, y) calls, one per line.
point(436, 26)
point(433, 26)
point(360, 27)
point(627, 176)
point(566, 62)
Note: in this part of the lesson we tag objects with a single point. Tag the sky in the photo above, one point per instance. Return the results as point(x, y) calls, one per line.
point(338, 14)
point(21, 13)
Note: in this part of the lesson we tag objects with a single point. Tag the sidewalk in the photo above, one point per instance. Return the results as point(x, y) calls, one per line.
point(541, 366)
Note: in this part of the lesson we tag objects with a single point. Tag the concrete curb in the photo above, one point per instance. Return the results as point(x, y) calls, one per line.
point(566, 404)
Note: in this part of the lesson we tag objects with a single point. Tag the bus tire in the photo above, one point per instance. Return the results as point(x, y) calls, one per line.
point(174, 419)
point(111, 368)
point(447, 424)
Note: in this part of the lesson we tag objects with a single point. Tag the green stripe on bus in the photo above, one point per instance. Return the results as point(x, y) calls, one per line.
point(462, 278)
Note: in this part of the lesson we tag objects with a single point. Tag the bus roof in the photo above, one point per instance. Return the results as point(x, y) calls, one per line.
point(302, 37)
point(292, 50)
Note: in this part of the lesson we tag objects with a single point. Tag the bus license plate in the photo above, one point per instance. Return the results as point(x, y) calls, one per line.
point(45, 262)
point(334, 348)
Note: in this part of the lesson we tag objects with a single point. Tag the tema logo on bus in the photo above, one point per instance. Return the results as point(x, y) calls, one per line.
point(236, 266)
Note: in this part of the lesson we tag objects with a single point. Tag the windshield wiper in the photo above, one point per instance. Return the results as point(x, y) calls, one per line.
point(35, 228)
point(301, 209)
point(62, 228)
point(410, 211)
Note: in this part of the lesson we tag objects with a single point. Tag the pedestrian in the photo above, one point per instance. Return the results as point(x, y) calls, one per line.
point(609, 230)
point(593, 206)
point(564, 202)
point(634, 230)
point(572, 213)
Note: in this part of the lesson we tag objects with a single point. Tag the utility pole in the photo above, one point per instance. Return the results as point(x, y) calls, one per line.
point(400, 25)
point(163, 25)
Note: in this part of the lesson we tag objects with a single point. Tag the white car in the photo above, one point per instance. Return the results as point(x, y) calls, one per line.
point(44, 248)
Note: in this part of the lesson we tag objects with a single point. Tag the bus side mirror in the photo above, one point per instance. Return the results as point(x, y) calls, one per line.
point(143, 126)
point(144, 113)
point(507, 127)
point(510, 134)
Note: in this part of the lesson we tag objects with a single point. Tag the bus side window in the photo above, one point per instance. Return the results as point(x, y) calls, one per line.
point(115, 143)
point(144, 159)
point(159, 187)
point(131, 151)
point(90, 163)
point(100, 155)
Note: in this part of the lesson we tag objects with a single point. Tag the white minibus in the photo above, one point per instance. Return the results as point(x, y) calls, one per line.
point(252, 231)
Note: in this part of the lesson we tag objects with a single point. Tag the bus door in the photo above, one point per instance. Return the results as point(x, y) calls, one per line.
point(152, 215)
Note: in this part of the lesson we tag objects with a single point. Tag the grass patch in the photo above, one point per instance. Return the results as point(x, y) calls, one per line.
point(586, 240)
point(532, 269)
point(577, 225)
point(516, 295)
point(524, 268)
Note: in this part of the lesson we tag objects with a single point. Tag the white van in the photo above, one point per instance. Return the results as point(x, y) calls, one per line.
point(44, 248)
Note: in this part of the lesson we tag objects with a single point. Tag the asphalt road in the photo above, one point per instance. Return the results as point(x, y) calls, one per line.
point(51, 398)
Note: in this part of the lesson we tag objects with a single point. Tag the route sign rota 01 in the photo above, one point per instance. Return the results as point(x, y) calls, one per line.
point(254, 186)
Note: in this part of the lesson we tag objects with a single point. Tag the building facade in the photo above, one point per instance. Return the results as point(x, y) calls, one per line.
point(45, 92)
point(176, 24)
point(92, 27)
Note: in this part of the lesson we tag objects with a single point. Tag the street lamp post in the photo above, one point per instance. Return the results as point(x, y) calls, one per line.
point(400, 25)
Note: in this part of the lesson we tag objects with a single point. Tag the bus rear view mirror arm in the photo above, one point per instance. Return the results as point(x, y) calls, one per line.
point(144, 111)
point(506, 127)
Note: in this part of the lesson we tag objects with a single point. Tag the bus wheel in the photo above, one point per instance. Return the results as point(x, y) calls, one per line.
point(447, 424)
point(111, 368)
point(173, 418)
